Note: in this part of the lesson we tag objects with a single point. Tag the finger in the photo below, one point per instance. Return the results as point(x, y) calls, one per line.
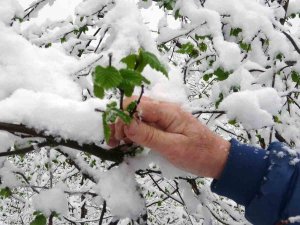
point(164, 115)
point(149, 136)
point(127, 101)
point(119, 130)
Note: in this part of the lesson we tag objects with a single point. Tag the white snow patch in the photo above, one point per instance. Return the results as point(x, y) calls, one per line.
point(254, 109)
point(119, 188)
point(52, 200)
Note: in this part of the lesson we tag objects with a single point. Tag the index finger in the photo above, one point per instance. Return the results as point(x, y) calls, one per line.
point(162, 114)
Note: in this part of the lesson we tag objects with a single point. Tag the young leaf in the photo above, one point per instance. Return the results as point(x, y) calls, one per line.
point(151, 59)
point(221, 74)
point(202, 47)
point(295, 76)
point(221, 97)
point(145, 80)
point(40, 219)
point(126, 118)
point(127, 87)
point(107, 78)
point(98, 91)
point(134, 77)
point(5, 192)
point(131, 106)
point(206, 77)
point(177, 14)
point(186, 48)
point(106, 128)
point(246, 47)
point(235, 31)
point(130, 61)
point(276, 119)
point(232, 122)
point(112, 105)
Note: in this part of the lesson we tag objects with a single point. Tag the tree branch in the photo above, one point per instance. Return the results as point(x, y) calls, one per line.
point(208, 112)
point(292, 41)
point(114, 155)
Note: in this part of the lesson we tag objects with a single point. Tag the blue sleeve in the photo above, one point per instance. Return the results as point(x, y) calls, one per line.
point(267, 183)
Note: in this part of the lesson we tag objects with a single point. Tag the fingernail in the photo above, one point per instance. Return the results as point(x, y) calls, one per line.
point(113, 143)
point(132, 129)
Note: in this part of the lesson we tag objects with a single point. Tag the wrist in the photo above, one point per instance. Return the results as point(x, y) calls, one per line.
point(220, 150)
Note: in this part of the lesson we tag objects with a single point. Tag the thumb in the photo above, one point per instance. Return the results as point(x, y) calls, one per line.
point(149, 136)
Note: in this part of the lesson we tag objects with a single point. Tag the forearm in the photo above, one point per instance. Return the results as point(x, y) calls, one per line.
point(264, 182)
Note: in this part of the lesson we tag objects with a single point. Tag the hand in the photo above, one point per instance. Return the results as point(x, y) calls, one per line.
point(176, 135)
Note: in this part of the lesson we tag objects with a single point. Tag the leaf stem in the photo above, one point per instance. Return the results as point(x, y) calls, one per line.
point(137, 102)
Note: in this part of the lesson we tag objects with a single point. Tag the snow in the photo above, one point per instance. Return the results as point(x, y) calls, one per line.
point(254, 109)
point(159, 84)
point(294, 7)
point(10, 9)
point(294, 161)
point(67, 118)
point(8, 179)
point(40, 88)
point(119, 188)
point(23, 65)
point(127, 30)
point(294, 219)
point(90, 7)
point(189, 197)
point(229, 53)
point(52, 200)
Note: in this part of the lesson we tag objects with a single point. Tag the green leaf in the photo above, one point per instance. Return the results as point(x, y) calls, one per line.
point(112, 105)
point(198, 37)
point(130, 61)
point(123, 116)
point(168, 4)
point(48, 45)
point(127, 87)
point(232, 122)
point(5, 192)
point(63, 39)
point(131, 79)
point(146, 81)
point(132, 76)
point(221, 74)
point(186, 48)
point(276, 119)
point(245, 46)
point(83, 29)
point(211, 62)
point(221, 97)
point(40, 219)
point(235, 31)
point(295, 76)
point(131, 106)
point(107, 78)
point(203, 47)
point(106, 128)
point(98, 91)
point(279, 56)
point(19, 19)
point(147, 58)
point(206, 77)
point(177, 14)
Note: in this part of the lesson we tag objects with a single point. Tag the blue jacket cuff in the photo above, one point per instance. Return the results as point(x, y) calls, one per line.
point(244, 161)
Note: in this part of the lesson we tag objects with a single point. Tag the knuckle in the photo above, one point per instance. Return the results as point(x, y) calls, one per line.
point(150, 135)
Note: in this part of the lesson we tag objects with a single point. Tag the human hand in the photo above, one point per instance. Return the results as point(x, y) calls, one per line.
point(176, 135)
